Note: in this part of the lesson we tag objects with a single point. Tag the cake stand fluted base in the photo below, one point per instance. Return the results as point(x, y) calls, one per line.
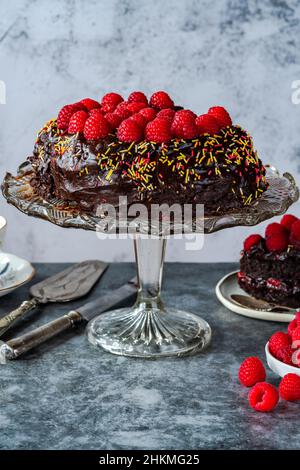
point(149, 329)
point(149, 332)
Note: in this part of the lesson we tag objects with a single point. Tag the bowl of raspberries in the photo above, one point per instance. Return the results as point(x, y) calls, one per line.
point(283, 349)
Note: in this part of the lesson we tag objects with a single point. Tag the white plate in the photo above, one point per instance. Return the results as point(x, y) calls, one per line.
point(228, 285)
point(19, 272)
point(279, 367)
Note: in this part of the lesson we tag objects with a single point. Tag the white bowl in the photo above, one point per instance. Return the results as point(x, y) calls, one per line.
point(280, 368)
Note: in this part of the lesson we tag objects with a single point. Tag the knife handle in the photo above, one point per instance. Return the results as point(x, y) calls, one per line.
point(18, 346)
point(9, 320)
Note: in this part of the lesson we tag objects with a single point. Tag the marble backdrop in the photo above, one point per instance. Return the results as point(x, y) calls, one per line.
point(237, 53)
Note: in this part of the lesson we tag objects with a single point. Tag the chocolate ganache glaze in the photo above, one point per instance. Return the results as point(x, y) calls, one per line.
point(221, 171)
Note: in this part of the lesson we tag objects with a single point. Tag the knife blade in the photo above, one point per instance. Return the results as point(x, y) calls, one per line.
point(69, 284)
point(18, 346)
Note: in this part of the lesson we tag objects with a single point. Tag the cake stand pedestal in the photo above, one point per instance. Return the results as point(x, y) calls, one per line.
point(149, 329)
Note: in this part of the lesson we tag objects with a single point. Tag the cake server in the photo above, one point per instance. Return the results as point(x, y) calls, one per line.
point(70, 284)
point(18, 346)
point(255, 304)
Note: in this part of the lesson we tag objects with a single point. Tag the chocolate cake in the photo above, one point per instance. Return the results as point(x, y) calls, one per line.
point(151, 152)
point(269, 267)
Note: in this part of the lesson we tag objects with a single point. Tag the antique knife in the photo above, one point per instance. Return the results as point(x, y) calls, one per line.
point(18, 346)
point(70, 284)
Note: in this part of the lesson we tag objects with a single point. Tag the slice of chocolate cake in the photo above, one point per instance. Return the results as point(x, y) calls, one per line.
point(270, 266)
point(151, 152)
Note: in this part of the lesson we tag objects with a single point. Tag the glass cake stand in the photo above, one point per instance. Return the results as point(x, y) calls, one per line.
point(148, 329)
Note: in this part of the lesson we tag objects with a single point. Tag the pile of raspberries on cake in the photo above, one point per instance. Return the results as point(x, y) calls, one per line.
point(157, 120)
point(278, 236)
point(284, 346)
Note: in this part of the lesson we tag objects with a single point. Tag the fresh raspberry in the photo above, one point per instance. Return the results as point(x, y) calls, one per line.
point(113, 119)
point(158, 130)
point(96, 111)
point(110, 101)
point(122, 111)
point(137, 97)
point(296, 358)
point(129, 131)
point(263, 397)
point(288, 220)
point(184, 126)
point(285, 355)
point(207, 124)
point(296, 337)
point(161, 100)
point(277, 341)
point(289, 387)
point(96, 127)
point(251, 241)
point(90, 104)
point(66, 113)
point(221, 115)
point(148, 113)
point(77, 122)
point(139, 119)
point(166, 113)
point(135, 107)
point(251, 371)
point(275, 229)
point(295, 234)
point(275, 283)
point(293, 325)
point(277, 242)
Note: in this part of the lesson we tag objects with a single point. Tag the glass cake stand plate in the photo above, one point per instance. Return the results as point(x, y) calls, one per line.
point(149, 329)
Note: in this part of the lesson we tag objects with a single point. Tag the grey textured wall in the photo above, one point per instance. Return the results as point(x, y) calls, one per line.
point(240, 54)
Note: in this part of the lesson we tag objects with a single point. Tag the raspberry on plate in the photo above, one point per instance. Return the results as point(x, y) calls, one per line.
point(289, 388)
point(96, 127)
point(294, 323)
point(251, 371)
point(161, 100)
point(129, 131)
point(158, 131)
point(148, 113)
point(277, 242)
point(207, 124)
point(277, 341)
point(295, 234)
point(288, 220)
point(137, 97)
point(263, 397)
point(251, 241)
point(90, 104)
point(275, 229)
point(221, 115)
point(110, 101)
point(77, 122)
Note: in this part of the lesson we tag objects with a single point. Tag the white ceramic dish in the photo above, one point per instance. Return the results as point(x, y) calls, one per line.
point(18, 272)
point(279, 367)
point(228, 285)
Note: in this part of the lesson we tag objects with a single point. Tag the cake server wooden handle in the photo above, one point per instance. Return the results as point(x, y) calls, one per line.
point(9, 320)
point(18, 346)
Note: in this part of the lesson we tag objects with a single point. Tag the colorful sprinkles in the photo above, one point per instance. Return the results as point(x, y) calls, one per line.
point(151, 166)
